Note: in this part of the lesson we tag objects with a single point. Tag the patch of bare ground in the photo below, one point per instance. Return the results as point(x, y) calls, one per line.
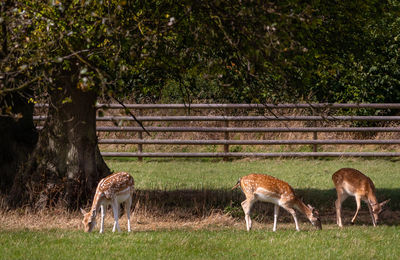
point(142, 220)
point(161, 210)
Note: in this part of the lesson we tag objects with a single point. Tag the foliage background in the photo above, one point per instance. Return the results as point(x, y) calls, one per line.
point(72, 53)
point(222, 51)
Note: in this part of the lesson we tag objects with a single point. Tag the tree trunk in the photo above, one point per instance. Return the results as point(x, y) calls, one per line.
point(66, 164)
point(18, 137)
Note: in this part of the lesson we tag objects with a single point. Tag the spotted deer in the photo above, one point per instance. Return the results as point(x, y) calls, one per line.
point(351, 182)
point(265, 188)
point(112, 190)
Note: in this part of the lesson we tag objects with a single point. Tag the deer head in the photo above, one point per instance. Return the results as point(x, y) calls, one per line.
point(378, 208)
point(89, 220)
point(314, 217)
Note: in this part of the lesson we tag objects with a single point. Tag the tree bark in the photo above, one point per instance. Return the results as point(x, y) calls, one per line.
point(66, 164)
point(18, 137)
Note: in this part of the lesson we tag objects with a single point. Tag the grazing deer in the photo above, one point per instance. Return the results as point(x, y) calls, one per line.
point(112, 190)
point(260, 187)
point(351, 182)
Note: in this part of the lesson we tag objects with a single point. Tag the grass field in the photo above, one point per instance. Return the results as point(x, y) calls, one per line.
point(215, 234)
point(300, 173)
point(349, 243)
point(310, 178)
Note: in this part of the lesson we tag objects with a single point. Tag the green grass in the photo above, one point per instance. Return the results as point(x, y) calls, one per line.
point(310, 178)
point(357, 242)
point(299, 173)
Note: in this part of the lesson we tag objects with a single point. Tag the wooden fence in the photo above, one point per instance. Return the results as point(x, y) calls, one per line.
point(266, 113)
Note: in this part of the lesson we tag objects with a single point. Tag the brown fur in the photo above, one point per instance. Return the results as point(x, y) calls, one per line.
point(107, 189)
point(260, 186)
point(351, 182)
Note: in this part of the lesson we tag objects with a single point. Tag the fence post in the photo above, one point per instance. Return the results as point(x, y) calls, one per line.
point(140, 136)
point(226, 137)
point(315, 137)
point(315, 133)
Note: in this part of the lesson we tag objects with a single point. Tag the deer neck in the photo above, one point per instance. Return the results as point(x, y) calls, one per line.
point(97, 201)
point(372, 199)
point(303, 208)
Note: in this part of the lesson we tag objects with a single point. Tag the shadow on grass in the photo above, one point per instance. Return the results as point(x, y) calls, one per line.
point(200, 203)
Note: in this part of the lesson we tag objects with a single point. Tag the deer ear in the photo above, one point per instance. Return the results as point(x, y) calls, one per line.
point(313, 210)
point(382, 204)
point(83, 211)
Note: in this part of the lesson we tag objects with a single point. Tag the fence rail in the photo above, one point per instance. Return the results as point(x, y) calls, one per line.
point(246, 106)
point(239, 154)
point(243, 142)
point(247, 129)
point(319, 114)
point(242, 118)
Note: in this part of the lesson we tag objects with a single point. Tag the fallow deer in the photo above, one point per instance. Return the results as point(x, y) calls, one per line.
point(351, 182)
point(260, 187)
point(112, 190)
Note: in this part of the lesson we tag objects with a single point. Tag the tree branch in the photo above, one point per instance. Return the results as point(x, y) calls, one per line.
point(21, 87)
point(132, 115)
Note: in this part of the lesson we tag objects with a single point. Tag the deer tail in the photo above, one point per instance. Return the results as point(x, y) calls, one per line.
point(237, 184)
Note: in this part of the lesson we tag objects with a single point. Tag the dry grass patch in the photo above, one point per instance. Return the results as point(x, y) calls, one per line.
point(141, 221)
point(146, 221)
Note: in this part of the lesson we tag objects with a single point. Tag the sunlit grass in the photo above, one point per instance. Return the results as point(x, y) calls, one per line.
point(358, 242)
point(300, 173)
point(311, 179)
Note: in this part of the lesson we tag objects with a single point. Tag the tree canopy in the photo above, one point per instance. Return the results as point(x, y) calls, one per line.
point(69, 54)
point(232, 51)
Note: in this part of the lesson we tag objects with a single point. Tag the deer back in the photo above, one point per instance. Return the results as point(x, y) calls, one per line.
point(114, 183)
point(272, 185)
point(354, 182)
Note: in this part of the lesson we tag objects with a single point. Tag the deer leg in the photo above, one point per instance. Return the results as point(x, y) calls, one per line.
point(358, 201)
point(293, 212)
point(103, 215)
point(276, 214)
point(372, 215)
point(247, 205)
point(128, 204)
point(115, 211)
point(341, 196)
